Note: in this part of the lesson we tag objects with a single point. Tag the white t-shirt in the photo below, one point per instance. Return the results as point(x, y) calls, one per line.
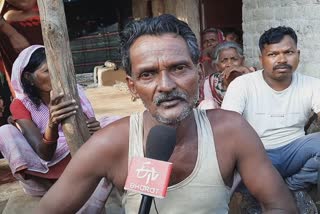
point(277, 116)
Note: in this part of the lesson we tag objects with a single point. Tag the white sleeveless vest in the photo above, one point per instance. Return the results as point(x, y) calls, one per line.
point(203, 191)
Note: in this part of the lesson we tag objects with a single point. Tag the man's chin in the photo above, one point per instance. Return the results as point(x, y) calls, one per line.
point(173, 119)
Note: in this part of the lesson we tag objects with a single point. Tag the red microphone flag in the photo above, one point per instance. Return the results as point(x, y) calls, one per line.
point(148, 176)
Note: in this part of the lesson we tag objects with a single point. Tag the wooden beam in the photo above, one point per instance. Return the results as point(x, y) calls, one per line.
point(62, 74)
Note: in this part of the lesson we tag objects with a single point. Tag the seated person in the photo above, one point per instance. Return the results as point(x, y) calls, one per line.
point(277, 102)
point(2, 99)
point(19, 28)
point(229, 62)
point(211, 37)
point(37, 152)
point(161, 56)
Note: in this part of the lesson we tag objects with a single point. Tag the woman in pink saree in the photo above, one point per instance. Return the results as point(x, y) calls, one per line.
point(36, 148)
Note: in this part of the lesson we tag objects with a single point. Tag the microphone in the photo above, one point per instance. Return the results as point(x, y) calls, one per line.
point(150, 175)
point(161, 141)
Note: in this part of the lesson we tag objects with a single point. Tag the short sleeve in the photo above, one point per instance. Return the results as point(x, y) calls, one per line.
point(19, 111)
point(235, 97)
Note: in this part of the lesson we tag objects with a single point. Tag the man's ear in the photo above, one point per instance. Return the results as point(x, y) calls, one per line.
point(131, 86)
point(260, 59)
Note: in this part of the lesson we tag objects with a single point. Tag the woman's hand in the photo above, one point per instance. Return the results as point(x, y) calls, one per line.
point(229, 74)
point(93, 125)
point(60, 110)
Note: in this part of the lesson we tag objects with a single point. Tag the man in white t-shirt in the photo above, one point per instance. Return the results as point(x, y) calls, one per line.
point(277, 102)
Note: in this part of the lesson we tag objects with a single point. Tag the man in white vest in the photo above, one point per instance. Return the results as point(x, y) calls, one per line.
point(161, 58)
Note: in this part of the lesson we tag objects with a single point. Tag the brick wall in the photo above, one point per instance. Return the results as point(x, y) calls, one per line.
point(302, 15)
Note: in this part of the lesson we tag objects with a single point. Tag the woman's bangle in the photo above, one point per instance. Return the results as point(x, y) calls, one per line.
point(46, 141)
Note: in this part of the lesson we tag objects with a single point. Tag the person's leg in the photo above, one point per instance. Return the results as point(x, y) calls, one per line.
point(96, 202)
point(300, 161)
point(19, 154)
point(275, 157)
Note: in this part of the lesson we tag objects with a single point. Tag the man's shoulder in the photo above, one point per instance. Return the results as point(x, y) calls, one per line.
point(113, 136)
point(250, 77)
point(224, 118)
point(306, 78)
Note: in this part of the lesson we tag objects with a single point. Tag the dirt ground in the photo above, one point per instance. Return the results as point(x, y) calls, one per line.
point(106, 101)
point(112, 100)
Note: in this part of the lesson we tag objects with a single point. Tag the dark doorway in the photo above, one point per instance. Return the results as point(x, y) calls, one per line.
point(224, 14)
point(94, 27)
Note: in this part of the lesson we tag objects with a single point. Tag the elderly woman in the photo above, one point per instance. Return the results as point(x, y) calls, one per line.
point(36, 148)
point(228, 60)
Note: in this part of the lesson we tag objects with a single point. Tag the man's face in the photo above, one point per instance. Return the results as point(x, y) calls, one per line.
point(228, 58)
point(164, 77)
point(280, 60)
point(210, 39)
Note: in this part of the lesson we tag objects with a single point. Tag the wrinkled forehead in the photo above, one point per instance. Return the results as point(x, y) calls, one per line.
point(210, 35)
point(158, 47)
point(229, 52)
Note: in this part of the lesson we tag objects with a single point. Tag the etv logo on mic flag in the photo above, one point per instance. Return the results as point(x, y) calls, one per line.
point(148, 176)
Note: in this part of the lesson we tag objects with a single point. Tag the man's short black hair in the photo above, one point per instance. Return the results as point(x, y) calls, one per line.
point(275, 35)
point(157, 26)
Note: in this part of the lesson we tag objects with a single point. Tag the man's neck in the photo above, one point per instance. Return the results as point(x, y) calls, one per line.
point(183, 128)
point(277, 85)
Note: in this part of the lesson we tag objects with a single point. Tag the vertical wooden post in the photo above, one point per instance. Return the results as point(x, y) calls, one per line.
point(157, 7)
point(62, 74)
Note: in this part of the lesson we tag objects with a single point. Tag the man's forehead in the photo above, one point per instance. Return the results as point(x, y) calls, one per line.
point(165, 45)
point(285, 43)
point(165, 52)
point(210, 34)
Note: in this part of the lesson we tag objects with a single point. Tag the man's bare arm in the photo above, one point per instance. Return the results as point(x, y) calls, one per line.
point(257, 172)
point(100, 157)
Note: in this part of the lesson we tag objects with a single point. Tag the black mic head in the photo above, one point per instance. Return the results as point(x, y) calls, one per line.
point(161, 141)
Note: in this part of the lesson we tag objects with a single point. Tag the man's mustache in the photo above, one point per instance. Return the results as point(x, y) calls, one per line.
point(283, 66)
point(174, 95)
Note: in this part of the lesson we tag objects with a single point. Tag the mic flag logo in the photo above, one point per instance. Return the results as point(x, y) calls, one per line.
point(148, 176)
point(148, 173)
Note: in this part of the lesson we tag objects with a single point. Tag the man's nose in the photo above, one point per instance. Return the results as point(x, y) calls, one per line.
point(282, 58)
point(166, 83)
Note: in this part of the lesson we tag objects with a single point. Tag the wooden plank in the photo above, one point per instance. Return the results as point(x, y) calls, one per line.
point(59, 58)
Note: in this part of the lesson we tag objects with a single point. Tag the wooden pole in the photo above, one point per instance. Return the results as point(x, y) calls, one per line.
point(157, 7)
point(60, 65)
